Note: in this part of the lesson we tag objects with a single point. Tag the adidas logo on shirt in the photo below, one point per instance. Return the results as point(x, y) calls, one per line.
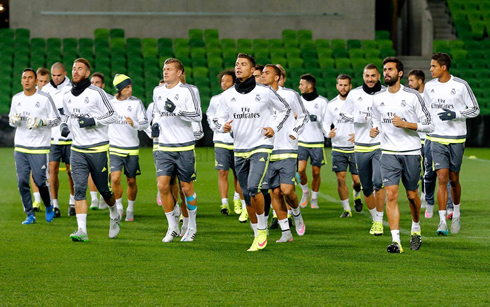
point(432, 91)
point(359, 99)
point(382, 104)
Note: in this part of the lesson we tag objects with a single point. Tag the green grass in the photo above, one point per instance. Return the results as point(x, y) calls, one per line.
point(336, 263)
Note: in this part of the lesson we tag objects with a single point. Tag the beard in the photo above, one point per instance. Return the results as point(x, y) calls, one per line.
point(343, 95)
point(392, 81)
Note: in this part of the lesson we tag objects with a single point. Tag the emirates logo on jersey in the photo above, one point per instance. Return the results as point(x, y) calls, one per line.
point(453, 91)
point(403, 103)
point(130, 109)
point(176, 96)
point(86, 101)
point(38, 104)
point(257, 98)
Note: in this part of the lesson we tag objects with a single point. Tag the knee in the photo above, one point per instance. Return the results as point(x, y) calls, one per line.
point(163, 187)
point(223, 174)
point(132, 183)
point(391, 194)
point(116, 180)
point(276, 192)
point(411, 195)
point(288, 192)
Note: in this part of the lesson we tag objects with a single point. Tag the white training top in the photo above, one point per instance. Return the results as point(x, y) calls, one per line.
point(220, 139)
point(197, 126)
point(343, 125)
point(312, 135)
point(57, 95)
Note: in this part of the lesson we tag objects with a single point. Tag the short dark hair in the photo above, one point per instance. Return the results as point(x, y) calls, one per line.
point(42, 71)
point(30, 69)
point(259, 67)
point(419, 74)
point(344, 77)
point(99, 75)
point(276, 69)
point(442, 59)
point(180, 66)
point(392, 59)
point(228, 72)
point(371, 66)
point(83, 61)
point(309, 78)
point(248, 57)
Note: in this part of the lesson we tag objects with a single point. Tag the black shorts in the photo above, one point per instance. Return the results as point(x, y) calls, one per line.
point(182, 163)
point(316, 155)
point(406, 167)
point(59, 153)
point(224, 159)
point(97, 164)
point(447, 156)
point(341, 161)
point(281, 172)
point(130, 163)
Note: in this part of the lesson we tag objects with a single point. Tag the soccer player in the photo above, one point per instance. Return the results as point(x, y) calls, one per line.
point(124, 142)
point(366, 149)
point(223, 150)
point(88, 112)
point(311, 141)
point(282, 81)
point(398, 113)
point(60, 145)
point(340, 131)
point(247, 109)
point(33, 113)
point(176, 107)
point(258, 73)
point(281, 174)
point(450, 101)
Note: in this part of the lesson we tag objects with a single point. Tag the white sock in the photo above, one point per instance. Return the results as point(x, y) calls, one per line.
point(192, 218)
point(93, 196)
point(37, 197)
point(171, 220)
point(357, 194)
point(82, 221)
point(284, 224)
point(456, 212)
point(274, 213)
point(236, 196)
point(373, 213)
point(345, 204)
point(304, 187)
point(261, 221)
point(185, 223)
point(314, 195)
point(244, 205)
point(296, 211)
point(131, 205)
point(72, 199)
point(290, 212)
point(415, 226)
point(55, 203)
point(224, 201)
point(395, 234)
point(113, 212)
point(378, 216)
point(442, 216)
point(119, 204)
point(177, 210)
point(254, 228)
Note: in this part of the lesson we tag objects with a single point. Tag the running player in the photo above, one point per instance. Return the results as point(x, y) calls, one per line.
point(398, 113)
point(258, 73)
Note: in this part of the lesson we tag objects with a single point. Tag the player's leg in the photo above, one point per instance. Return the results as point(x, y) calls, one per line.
point(54, 183)
point(441, 161)
point(339, 166)
point(165, 170)
point(223, 189)
point(65, 158)
point(117, 164)
point(303, 155)
point(379, 194)
point(36, 204)
point(282, 215)
point(287, 177)
point(23, 169)
point(365, 168)
point(430, 177)
point(186, 172)
point(94, 203)
point(239, 201)
point(356, 182)
point(456, 159)
point(410, 179)
point(318, 159)
point(131, 170)
point(39, 164)
point(80, 171)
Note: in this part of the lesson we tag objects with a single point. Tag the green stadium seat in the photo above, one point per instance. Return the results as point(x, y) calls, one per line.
point(228, 43)
point(295, 62)
point(343, 63)
point(116, 33)
point(309, 53)
point(369, 44)
point(195, 33)
point(462, 63)
point(355, 53)
point(165, 43)
point(338, 44)
point(478, 29)
point(325, 53)
point(307, 45)
point(289, 34)
point(101, 33)
point(458, 54)
point(385, 44)
point(213, 52)
point(293, 53)
point(211, 34)
point(322, 43)
point(305, 35)
point(275, 43)
point(7, 33)
point(180, 43)
point(213, 43)
point(326, 62)
point(387, 53)
point(199, 62)
point(37, 43)
point(279, 60)
point(118, 42)
point(340, 53)
point(244, 50)
point(86, 43)
point(260, 43)
point(371, 53)
point(198, 53)
point(354, 43)
point(478, 63)
point(472, 45)
point(244, 43)
point(196, 42)
point(133, 42)
point(452, 44)
point(290, 43)
point(380, 35)
point(311, 63)
point(358, 64)
point(24, 33)
point(165, 52)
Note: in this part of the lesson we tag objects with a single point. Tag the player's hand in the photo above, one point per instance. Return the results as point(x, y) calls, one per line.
point(293, 135)
point(332, 133)
point(295, 115)
point(227, 126)
point(14, 119)
point(169, 105)
point(155, 130)
point(86, 122)
point(397, 121)
point(373, 132)
point(129, 121)
point(447, 115)
point(64, 130)
point(34, 122)
point(313, 118)
point(352, 138)
point(268, 132)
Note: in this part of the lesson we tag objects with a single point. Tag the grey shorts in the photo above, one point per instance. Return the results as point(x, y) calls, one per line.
point(281, 172)
point(369, 171)
point(182, 163)
point(342, 160)
point(97, 164)
point(316, 155)
point(447, 156)
point(131, 164)
point(251, 172)
point(224, 159)
point(406, 167)
point(59, 153)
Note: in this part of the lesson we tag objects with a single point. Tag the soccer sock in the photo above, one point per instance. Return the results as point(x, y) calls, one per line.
point(185, 223)
point(72, 199)
point(177, 210)
point(415, 226)
point(395, 234)
point(304, 187)
point(314, 195)
point(82, 221)
point(290, 212)
point(261, 221)
point(274, 213)
point(345, 204)
point(192, 218)
point(236, 196)
point(44, 192)
point(119, 204)
point(37, 197)
point(224, 201)
point(378, 216)
point(171, 220)
point(296, 211)
point(254, 228)
point(373, 213)
point(131, 205)
point(113, 212)
point(93, 196)
point(442, 216)
point(456, 212)
point(244, 205)
point(284, 224)
point(55, 203)
point(357, 194)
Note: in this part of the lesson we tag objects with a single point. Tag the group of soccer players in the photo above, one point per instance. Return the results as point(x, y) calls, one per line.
point(265, 133)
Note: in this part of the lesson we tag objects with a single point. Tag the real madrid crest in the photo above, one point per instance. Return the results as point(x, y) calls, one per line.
point(176, 96)
point(403, 104)
point(316, 105)
point(129, 109)
point(37, 104)
point(453, 91)
point(86, 100)
point(257, 97)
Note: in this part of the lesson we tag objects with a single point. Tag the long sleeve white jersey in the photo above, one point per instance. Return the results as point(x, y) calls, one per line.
point(149, 115)
point(92, 102)
point(409, 106)
point(123, 138)
point(252, 112)
point(56, 94)
point(38, 105)
point(455, 95)
point(197, 126)
point(220, 139)
point(284, 146)
point(344, 126)
point(312, 135)
point(176, 131)
point(358, 107)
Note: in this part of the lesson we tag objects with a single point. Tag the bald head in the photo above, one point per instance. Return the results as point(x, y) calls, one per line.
point(58, 73)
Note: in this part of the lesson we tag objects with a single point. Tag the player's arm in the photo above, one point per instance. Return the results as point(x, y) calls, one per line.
point(110, 116)
point(347, 112)
point(283, 110)
point(142, 120)
point(472, 107)
point(303, 115)
point(198, 130)
point(54, 118)
point(327, 123)
point(425, 123)
point(375, 121)
point(14, 115)
point(211, 112)
point(221, 118)
point(192, 107)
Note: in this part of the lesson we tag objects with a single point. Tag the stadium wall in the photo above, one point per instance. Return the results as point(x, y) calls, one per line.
point(330, 19)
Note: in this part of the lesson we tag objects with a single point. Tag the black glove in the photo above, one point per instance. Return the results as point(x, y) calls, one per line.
point(231, 134)
point(86, 122)
point(312, 117)
point(64, 130)
point(155, 130)
point(447, 115)
point(332, 126)
point(62, 111)
point(169, 105)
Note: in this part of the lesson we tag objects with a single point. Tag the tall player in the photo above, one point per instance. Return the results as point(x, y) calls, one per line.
point(450, 101)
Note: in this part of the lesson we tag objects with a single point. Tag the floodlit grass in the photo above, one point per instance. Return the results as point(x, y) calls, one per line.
point(336, 263)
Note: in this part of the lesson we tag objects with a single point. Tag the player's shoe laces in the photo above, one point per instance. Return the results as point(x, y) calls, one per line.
point(304, 199)
point(300, 225)
point(357, 201)
point(36, 206)
point(314, 203)
point(429, 211)
point(274, 223)
point(243, 216)
point(94, 205)
point(171, 234)
point(442, 229)
point(79, 236)
point(225, 209)
point(285, 237)
point(378, 229)
point(57, 212)
point(415, 240)
point(253, 247)
point(71, 211)
point(114, 227)
point(102, 203)
point(395, 248)
point(129, 216)
point(49, 214)
point(456, 224)
point(237, 203)
point(261, 238)
point(189, 235)
point(449, 212)
point(346, 213)
point(30, 219)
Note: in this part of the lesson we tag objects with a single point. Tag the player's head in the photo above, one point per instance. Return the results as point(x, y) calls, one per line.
point(271, 75)
point(371, 75)
point(29, 79)
point(244, 66)
point(416, 78)
point(307, 84)
point(282, 81)
point(58, 73)
point(226, 79)
point(258, 73)
point(182, 77)
point(172, 70)
point(440, 64)
point(123, 85)
point(392, 70)
point(42, 77)
point(98, 79)
point(80, 70)
point(344, 85)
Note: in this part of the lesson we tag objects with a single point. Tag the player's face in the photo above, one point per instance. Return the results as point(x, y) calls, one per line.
point(371, 77)
point(58, 75)
point(391, 74)
point(258, 76)
point(28, 80)
point(268, 76)
point(413, 82)
point(226, 82)
point(343, 87)
point(171, 74)
point(243, 68)
point(436, 70)
point(305, 87)
point(42, 81)
point(97, 82)
point(127, 91)
point(79, 72)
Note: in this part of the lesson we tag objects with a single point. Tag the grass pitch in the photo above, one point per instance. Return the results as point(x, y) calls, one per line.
point(336, 263)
